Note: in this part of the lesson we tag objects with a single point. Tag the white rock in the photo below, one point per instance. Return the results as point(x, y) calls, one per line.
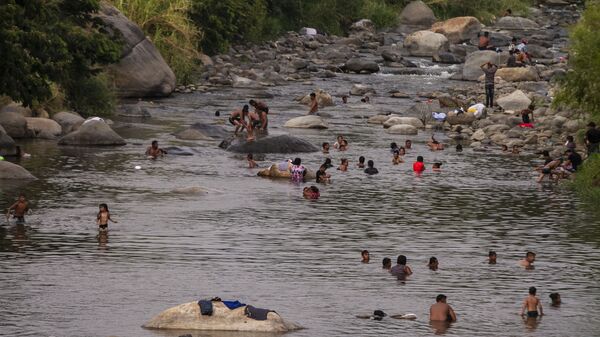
point(306, 122)
point(516, 101)
point(403, 120)
point(402, 129)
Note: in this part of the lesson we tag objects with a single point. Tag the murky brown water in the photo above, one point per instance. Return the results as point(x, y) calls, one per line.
point(257, 240)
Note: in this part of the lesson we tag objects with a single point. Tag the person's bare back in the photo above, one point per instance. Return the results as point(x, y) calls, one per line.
point(441, 311)
point(532, 304)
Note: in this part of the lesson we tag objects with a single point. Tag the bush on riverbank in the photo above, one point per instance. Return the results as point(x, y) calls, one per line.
point(484, 10)
point(579, 88)
point(46, 45)
point(167, 24)
point(587, 180)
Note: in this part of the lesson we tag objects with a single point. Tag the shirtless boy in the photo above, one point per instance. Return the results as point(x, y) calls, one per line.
point(18, 209)
point(527, 262)
point(262, 110)
point(238, 119)
point(441, 311)
point(532, 304)
point(314, 104)
point(153, 151)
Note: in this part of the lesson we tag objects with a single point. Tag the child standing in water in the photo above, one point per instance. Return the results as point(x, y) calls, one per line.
point(18, 210)
point(103, 218)
point(532, 304)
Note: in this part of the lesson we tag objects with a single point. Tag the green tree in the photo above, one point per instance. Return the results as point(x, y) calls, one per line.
point(579, 89)
point(50, 41)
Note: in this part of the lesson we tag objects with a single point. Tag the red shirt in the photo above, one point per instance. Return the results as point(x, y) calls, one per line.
point(418, 166)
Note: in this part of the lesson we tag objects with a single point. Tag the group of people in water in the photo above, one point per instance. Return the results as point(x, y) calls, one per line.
point(441, 310)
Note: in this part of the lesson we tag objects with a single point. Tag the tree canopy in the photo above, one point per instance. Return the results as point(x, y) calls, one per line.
point(46, 42)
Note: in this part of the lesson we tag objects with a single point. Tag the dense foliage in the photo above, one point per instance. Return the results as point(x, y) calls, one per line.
point(580, 87)
point(167, 24)
point(485, 10)
point(51, 43)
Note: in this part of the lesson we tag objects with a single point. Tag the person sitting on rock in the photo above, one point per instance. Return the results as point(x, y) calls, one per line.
point(238, 119)
point(527, 117)
point(512, 60)
point(314, 104)
point(484, 41)
point(513, 45)
point(262, 110)
point(153, 151)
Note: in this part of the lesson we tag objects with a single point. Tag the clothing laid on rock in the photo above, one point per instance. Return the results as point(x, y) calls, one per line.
point(257, 313)
point(233, 304)
point(206, 307)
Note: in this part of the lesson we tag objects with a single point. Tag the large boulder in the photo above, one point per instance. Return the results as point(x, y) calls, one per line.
point(18, 108)
point(379, 119)
point(516, 23)
point(414, 121)
point(472, 68)
point(518, 74)
point(323, 98)
point(306, 122)
point(43, 128)
point(402, 129)
point(417, 13)
point(92, 133)
point(360, 65)
point(391, 54)
point(425, 43)
point(461, 119)
point(271, 144)
point(14, 172)
point(459, 29)
point(68, 121)
point(187, 316)
point(202, 131)
point(361, 89)
point(7, 144)
point(539, 52)
point(142, 71)
point(14, 124)
point(515, 101)
point(274, 172)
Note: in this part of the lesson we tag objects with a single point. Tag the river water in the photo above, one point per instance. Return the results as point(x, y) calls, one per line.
point(259, 241)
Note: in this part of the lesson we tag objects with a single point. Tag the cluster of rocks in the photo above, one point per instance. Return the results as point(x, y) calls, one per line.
point(300, 57)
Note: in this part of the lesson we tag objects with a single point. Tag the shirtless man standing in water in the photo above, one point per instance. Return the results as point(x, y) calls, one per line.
point(154, 151)
point(441, 311)
point(18, 209)
point(314, 104)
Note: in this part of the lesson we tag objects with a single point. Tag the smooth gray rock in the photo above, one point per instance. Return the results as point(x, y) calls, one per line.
point(417, 13)
point(92, 133)
point(359, 65)
point(14, 124)
point(202, 131)
point(7, 144)
point(142, 71)
point(12, 171)
point(43, 128)
point(270, 144)
point(68, 121)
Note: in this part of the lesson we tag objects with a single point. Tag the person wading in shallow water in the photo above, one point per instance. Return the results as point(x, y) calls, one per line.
point(441, 311)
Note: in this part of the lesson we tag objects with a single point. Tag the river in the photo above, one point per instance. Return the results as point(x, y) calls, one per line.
point(259, 241)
